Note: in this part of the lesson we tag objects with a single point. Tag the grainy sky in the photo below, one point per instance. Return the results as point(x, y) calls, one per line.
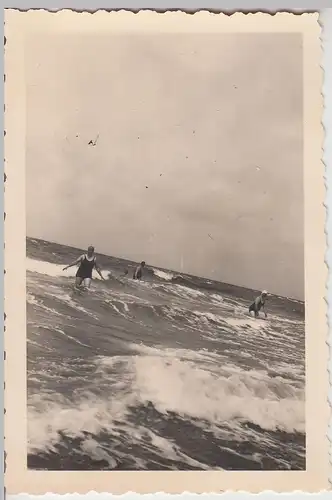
point(198, 161)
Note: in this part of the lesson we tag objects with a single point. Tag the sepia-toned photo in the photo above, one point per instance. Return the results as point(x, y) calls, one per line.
point(173, 295)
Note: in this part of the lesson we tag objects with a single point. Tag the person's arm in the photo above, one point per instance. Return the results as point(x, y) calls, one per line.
point(97, 268)
point(135, 273)
point(264, 309)
point(77, 261)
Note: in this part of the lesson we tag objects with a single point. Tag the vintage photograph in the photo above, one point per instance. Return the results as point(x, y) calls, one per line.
point(165, 256)
point(165, 252)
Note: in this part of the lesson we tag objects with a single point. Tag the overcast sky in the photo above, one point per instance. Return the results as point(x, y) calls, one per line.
point(198, 160)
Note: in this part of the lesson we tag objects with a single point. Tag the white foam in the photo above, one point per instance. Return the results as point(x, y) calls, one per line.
point(217, 298)
point(67, 299)
point(92, 448)
point(199, 386)
point(195, 384)
point(43, 267)
point(116, 309)
point(212, 322)
point(31, 299)
point(51, 269)
point(185, 292)
point(239, 322)
point(47, 415)
point(186, 389)
point(163, 274)
point(69, 337)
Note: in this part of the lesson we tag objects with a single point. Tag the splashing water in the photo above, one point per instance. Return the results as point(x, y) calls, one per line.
point(158, 375)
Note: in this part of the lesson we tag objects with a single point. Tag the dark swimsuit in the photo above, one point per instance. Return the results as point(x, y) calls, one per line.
point(137, 275)
point(86, 268)
point(256, 306)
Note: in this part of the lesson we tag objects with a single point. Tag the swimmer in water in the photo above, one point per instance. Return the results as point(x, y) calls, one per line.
point(138, 273)
point(87, 262)
point(258, 304)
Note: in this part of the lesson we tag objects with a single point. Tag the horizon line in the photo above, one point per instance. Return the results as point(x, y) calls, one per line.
point(170, 270)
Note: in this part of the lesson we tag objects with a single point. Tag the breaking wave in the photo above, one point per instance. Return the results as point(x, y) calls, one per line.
point(160, 374)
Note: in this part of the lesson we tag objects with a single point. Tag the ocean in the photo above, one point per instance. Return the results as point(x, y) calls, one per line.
point(170, 373)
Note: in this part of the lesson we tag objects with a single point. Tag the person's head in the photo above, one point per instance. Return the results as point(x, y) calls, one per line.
point(142, 263)
point(91, 250)
point(264, 294)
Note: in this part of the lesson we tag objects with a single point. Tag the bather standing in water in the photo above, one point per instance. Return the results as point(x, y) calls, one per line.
point(138, 273)
point(87, 262)
point(258, 304)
